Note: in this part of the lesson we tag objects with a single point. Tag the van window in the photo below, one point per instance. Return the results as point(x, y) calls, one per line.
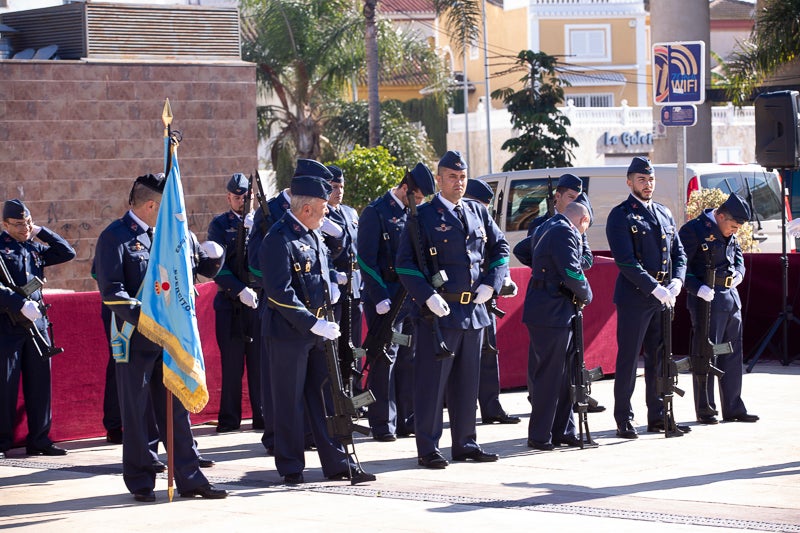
point(762, 190)
point(527, 199)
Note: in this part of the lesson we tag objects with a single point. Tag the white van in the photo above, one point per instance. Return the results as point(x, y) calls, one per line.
point(520, 196)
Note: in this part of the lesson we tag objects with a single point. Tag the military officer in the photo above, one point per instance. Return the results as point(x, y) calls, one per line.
point(235, 304)
point(644, 243)
point(122, 255)
point(25, 258)
point(456, 238)
point(489, 386)
point(380, 227)
point(296, 292)
point(557, 283)
point(710, 240)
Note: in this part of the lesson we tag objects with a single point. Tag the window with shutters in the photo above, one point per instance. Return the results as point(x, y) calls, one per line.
point(587, 43)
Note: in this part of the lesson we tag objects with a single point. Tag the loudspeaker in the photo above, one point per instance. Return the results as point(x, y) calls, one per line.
point(777, 138)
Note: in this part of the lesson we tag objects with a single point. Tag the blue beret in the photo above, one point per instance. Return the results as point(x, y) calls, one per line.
point(15, 209)
point(336, 172)
point(238, 184)
point(640, 165)
point(309, 167)
point(313, 186)
point(583, 199)
point(737, 208)
point(570, 181)
point(452, 159)
point(479, 190)
point(422, 179)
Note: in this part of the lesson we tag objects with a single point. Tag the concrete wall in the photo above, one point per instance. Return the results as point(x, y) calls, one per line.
point(74, 135)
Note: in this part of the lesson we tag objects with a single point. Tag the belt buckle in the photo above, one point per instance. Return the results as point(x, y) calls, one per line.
point(466, 297)
point(661, 275)
point(728, 282)
point(320, 313)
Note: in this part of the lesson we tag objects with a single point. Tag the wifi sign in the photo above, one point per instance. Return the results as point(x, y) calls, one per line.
point(679, 73)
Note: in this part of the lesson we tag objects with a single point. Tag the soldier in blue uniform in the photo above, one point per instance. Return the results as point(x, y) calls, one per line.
point(294, 328)
point(460, 239)
point(237, 323)
point(379, 230)
point(122, 255)
point(25, 258)
point(557, 282)
point(711, 239)
point(644, 243)
point(489, 386)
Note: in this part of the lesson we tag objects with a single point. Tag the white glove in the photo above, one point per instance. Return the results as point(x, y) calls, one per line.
point(675, 287)
point(341, 278)
point(437, 304)
point(328, 330)
point(706, 293)
point(248, 297)
point(737, 279)
point(335, 292)
point(662, 294)
point(483, 294)
point(329, 227)
point(383, 306)
point(31, 310)
point(793, 227)
point(508, 282)
point(212, 249)
point(248, 220)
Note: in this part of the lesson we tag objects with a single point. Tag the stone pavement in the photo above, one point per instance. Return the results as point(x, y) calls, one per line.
point(727, 477)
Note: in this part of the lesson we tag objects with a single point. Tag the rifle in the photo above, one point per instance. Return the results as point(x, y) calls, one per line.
point(436, 280)
point(707, 351)
point(551, 201)
point(667, 380)
point(242, 270)
point(43, 347)
point(345, 407)
point(261, 198)
point(382, 334)
point(347, 350)
point(581, 386)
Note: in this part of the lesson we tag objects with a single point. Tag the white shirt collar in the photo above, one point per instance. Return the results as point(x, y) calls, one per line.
point(138, 220)
point(447, 203)
point(396, 199)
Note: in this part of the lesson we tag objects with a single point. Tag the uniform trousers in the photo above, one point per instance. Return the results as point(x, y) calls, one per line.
point(489, 385)
point(456, 377)
point(548, 384)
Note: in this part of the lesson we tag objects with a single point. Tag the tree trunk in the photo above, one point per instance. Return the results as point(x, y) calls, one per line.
point(373, 98)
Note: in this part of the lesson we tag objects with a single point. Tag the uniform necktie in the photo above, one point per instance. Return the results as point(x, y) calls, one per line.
point(150, 234)
point(460, 214)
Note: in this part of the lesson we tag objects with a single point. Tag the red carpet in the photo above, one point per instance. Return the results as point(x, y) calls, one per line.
point(79, 372)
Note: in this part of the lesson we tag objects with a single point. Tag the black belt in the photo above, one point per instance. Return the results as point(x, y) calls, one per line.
point(723, 281)
point(659, 276)
point(461, 297)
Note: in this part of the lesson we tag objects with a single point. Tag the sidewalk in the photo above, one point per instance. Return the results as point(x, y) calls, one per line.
point(727, 477)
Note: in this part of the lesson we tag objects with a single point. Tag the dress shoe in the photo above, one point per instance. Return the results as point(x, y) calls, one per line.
point(433, 460)
point(707, 419)
point(221, 428)
point(258, 424)
point(114, 436)
point(206, 491)
point(746, 417)
point(627, 431)
point(387, 437)
point(205, 463)
point(2, 455)
point(541, 446)
point(355, 475)
point(478, 455)
point(294, 479)
point(404, 434)
point(144, 496)
point(596, 409)
point(271, 451)
point(658, 426)
point(159, 467)
point(502, 418)
point(50, 449)
point(568, 440)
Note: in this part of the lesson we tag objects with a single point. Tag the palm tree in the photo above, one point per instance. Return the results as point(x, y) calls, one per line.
point(774, 42)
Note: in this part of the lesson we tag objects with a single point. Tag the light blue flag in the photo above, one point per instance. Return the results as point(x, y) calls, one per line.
point(168, 315)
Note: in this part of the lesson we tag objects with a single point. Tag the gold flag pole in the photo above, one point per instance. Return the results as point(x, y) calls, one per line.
point(166, 117)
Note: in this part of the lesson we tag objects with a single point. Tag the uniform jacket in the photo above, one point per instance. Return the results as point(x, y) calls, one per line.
point(294, 290)
point(223, 230)
point(461, 253)
point(341, 247)
point(523, 250)
point(262, 223)
point(643, 245)
point(726, 256)
point(24, 260)
point(556, 275)
point(376, 255)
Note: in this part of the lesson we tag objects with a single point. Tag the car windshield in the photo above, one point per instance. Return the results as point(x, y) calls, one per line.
point(761, 190)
